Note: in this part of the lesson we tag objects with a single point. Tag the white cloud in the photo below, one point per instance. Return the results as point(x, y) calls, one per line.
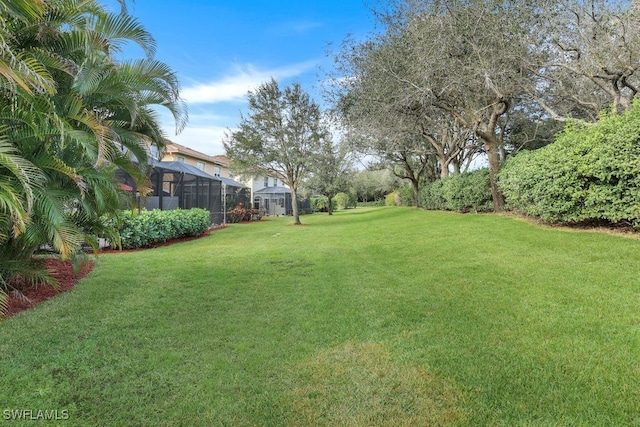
point(234, 87)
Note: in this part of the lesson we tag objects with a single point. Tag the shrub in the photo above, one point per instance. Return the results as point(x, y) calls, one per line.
point(371, 203)
point(590, 173)
point(144, 228)
point(240, 214)
point(390, 199)
point(432, 197)
point(344, 201)
point(321, 204)
point(467, 192)
point(405, 196)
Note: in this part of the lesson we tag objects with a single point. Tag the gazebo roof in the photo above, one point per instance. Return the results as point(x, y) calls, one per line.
point(273, 190)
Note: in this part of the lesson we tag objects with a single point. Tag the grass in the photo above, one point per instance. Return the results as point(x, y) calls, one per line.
point(371, 317)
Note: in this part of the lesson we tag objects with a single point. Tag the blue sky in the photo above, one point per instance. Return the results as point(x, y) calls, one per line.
point(220, 49)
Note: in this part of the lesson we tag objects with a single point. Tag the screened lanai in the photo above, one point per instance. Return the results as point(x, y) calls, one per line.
point(234, 193)
point(179, 185)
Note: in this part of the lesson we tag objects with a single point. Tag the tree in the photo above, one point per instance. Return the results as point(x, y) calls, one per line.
point(466, 59)
point(379, 122)
point(280, 136)
point(70, 114)
point(373, 184)
point(330, 170)
point(589, 54)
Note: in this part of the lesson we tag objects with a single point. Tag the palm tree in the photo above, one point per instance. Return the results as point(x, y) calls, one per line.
point(69, 117)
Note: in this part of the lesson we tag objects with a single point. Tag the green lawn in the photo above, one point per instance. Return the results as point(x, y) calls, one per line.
point(371, 317)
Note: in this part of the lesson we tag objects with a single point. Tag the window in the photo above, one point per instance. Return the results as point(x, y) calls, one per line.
point(180, 159)
point(216, 171)
point(275, 182)
point(266, 181)
point(200, 165)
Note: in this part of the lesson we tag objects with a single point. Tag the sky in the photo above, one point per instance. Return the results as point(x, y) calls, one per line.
point(221, 49)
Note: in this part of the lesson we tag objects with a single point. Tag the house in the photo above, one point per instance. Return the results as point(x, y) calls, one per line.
point(272, 196)
point(213, 165)
point(186, 178)
point(267, 193)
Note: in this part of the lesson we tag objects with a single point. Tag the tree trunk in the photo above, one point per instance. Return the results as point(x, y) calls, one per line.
point(444, 163)
point(494, 167)
point(330, 206)
point(294, 207)
point(456, 167)
point(416, 192)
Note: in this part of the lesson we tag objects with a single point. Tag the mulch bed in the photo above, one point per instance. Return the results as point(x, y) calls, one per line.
point(62, 272)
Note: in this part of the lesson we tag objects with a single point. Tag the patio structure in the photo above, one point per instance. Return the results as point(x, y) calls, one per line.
point(277, 201)
point(177, 185)
point(273, 200)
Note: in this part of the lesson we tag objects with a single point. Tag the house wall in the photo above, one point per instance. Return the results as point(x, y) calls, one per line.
point(214, 167)
point(273, 204)
point(257, 183)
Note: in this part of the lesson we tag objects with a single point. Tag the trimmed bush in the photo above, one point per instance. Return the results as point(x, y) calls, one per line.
point(467, 192)
point(591, 173)
point(144, 228)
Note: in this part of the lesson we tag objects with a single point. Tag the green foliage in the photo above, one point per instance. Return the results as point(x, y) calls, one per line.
point(345, 200)
point(340, 201)
point(321, 204)
point(281, 135)
point(390, 199)
point(591, 173)
point(144, 228)
point(70, 114)
point(466, 192)
point(405, 196)
point(373, 185)
point(371, 204)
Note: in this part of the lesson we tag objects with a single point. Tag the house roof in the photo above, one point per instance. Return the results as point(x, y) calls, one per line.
point(184, 168)
point(273, 190)
point(222, 159)
point(230, 182)
point(175, 148)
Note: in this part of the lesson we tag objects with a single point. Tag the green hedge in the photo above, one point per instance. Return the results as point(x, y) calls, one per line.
point(590, 173)
point(467, 192)
point(144, 228)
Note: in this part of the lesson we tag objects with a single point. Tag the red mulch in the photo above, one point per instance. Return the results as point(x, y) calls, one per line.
point(62, 272)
